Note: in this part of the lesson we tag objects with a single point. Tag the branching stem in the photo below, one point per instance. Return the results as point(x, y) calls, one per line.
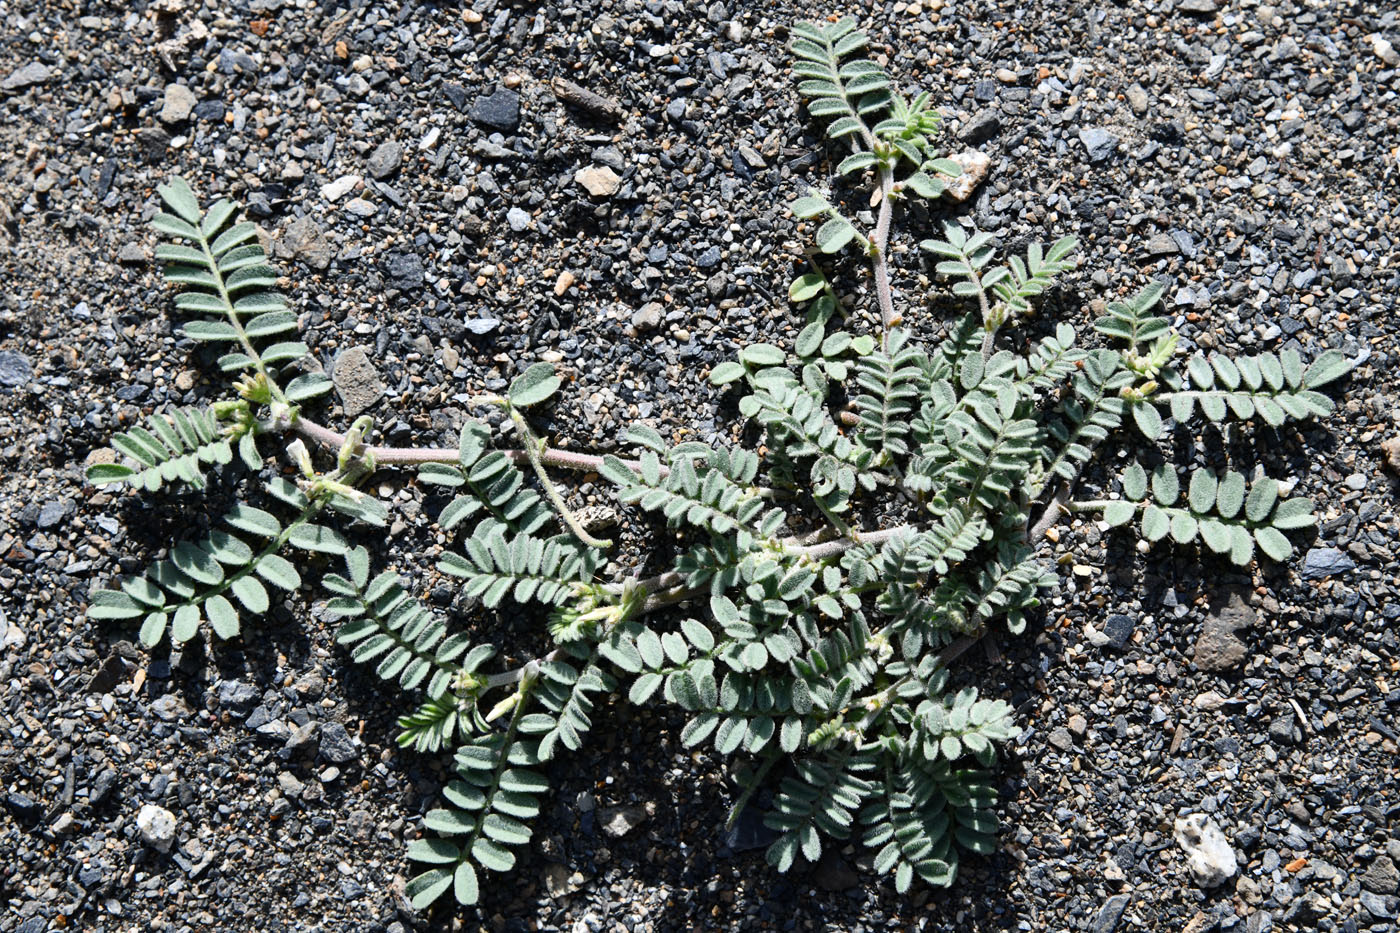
point(407, 456)
point(533, 450)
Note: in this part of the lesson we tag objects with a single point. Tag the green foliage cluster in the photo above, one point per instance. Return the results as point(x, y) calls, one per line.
point(888, 511)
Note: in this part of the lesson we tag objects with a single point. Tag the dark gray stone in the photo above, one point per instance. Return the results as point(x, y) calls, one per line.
point(1323, 562)
point(356, 381)
point(15, 368)
point(1185, 242)
point(1118, 628)
point(1098, 142)
point(499, 109)
point(405, 270)
point(336, 744)
point(106, 677)
point(833, 873)
point(1218, 649)
point(302, 239)
point(385, 160)
point(53, 512)
point(1381, 876)
point(26, 76)
point(1110, 913)
point(749, 832)
point(238, 696)
point(983, 126)
point(25, 808)
point(303, 740)
point(1162, 245)
point(1284, 730)
point(211, 110)
point(102, 787)
point(1377, 905)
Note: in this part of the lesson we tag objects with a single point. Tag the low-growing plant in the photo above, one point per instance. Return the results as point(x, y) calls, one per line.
point(825, 576)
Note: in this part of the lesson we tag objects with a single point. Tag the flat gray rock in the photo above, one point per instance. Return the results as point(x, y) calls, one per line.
point(1323, 562)
point(26, 76)
point(15, 368)
point(178, 104)
point(356, 381)
point(1099, 142)
point(385, 160)
point(303, 239)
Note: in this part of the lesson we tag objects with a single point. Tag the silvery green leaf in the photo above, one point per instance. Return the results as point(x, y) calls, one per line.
point(1229, 497)
point(1134, 482)
point(180, 198)
point(1260, 502)
point(1272, 542)
point(835, 234)
point(535, 385)
point(1166, 488)
point(1202, 490)
point(1155, 523)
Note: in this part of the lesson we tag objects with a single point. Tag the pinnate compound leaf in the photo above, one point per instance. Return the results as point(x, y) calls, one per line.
point(762, 354)
point(308, 385)
point(1155, 523)
point(180, 198)
point(433, 851)
point(1260, 502)
point(1229, 496)
point(1148, 419)
point(223, 618)
point(464, 884)
point(1119, 513)
point(1294, 513)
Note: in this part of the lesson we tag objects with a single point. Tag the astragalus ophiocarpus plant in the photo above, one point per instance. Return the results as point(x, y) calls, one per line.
point(826, 576)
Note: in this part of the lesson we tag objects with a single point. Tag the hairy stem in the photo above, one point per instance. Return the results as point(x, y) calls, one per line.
point(879, 260)
point(770, 757)
point(1053, 510)
point(236, 324)
point(402, 456)
point(533, 449)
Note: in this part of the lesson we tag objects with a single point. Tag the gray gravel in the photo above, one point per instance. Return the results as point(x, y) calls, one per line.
point(439, 201)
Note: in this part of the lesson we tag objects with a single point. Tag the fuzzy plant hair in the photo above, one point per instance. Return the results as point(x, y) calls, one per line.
point(891, 509)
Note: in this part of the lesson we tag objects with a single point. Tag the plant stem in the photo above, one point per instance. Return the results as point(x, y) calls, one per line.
point(1094, 505)
point(385, 456)
point(879, 260)
point(770, 758)
point(532, 453)
point(1053, 509)
point(236, 324)
point(667, 589)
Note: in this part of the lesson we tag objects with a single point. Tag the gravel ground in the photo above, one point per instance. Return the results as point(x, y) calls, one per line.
point(446, 219)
